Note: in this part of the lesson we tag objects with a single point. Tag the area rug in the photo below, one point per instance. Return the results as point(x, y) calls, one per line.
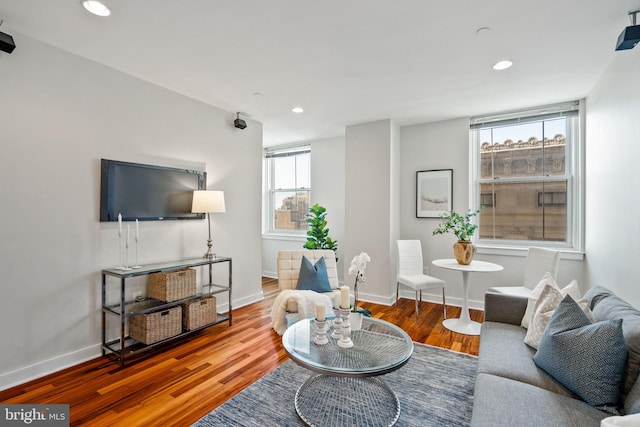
point(435, 388)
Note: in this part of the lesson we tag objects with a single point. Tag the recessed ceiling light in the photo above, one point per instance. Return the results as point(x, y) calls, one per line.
point(502, 65)
point(297, 110)
point(96, 7)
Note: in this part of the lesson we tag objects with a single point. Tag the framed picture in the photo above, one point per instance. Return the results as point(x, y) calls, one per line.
point(434, 192)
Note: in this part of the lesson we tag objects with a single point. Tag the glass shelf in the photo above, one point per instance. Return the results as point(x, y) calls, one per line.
point(150, 304)
point(163, 266)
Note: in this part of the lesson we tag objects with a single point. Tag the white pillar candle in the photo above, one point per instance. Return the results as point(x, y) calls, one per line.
point(128, 235)
point(137, 230)
point(320, 313)
point(344, 297)
point(336, 299)
point(119, 224)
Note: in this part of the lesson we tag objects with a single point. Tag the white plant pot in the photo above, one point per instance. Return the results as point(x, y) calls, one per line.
point(355, 319)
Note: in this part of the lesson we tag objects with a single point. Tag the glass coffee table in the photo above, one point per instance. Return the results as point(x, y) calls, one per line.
point(342, 389)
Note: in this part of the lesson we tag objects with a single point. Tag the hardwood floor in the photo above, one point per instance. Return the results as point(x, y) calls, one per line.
point(178, 385)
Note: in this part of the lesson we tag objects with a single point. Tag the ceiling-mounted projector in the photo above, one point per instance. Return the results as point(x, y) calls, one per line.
point(6, 41)
point(239, 123)
point(630, 36)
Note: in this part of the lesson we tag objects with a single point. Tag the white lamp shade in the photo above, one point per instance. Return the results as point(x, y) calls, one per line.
point(208, 201)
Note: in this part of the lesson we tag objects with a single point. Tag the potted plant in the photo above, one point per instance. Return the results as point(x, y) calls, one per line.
point(463, 228)
point(357, 268)
point(318, 233)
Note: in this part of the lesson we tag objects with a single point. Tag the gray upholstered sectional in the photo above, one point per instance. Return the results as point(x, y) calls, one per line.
point(511, 390)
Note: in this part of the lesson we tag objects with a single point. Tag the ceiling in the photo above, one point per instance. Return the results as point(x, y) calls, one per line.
point(344, 61)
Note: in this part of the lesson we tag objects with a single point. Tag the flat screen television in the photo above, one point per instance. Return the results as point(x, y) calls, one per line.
point(147, 192)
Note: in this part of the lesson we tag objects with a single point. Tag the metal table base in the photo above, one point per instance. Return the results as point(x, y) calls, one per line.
point(325, 400)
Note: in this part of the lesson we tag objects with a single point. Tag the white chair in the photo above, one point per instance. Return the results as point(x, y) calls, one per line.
point(411, 273)
point(289, 270)
point(539, 261)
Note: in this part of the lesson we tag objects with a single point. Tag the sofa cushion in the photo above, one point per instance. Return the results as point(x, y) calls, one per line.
point(313, 277)
point(632, 401)
point(606, 306)
point(596, 294)
point(504, 353)
point(501, 402)
point(587, 358)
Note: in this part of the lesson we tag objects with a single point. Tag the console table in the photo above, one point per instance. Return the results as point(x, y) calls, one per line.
point(124, 346)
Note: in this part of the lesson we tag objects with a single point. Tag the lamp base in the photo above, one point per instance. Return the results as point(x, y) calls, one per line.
point(209, 254)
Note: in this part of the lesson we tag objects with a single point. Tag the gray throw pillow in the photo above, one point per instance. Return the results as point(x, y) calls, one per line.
point(313, 277)
point(587, 358)
point(605, 305)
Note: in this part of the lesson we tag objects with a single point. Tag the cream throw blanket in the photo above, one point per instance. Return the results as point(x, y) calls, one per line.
point(306, 301)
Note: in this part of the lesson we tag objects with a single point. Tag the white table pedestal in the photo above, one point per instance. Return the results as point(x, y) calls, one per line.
point(464, 324)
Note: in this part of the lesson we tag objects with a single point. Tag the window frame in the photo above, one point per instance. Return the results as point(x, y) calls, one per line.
point(269, 199)
point(573, 248)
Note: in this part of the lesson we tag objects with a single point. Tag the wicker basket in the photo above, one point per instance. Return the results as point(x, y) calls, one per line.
point(172, 285)
point(199, 312)
point(149, 328)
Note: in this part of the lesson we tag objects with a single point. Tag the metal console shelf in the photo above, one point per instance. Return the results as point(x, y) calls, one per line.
point(125, 346)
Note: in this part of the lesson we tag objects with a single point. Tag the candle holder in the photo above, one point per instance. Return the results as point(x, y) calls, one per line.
point(345, 339)
point(137, 265)
point(121, 267)
point(337, 324)
point(321, 332)
point(126, 256)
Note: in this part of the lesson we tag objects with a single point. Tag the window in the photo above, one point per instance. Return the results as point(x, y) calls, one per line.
point(487, 200)
point(289, 188)
point(529, 162)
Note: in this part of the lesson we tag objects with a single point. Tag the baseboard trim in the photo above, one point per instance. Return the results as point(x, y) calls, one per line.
point(437, 299)
point(434, 298)
point(41, 369)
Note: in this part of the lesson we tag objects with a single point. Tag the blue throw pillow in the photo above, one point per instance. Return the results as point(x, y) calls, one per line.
point(313, 277)
point(587, 358)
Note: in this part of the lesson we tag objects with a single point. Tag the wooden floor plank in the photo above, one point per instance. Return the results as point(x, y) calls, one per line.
point(180, 384)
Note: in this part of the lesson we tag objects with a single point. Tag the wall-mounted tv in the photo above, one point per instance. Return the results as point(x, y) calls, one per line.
point(147, 192)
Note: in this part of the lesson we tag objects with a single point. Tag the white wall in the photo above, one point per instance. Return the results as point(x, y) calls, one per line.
point(327, 189)
point(60, 115)
point(613, 150)
point(445, 145)
point(370, 218)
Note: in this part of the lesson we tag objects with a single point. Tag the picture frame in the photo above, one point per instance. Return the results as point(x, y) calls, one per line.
point(434, 192)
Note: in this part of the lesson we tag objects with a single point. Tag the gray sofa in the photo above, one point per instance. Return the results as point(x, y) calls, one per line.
point(511, 390)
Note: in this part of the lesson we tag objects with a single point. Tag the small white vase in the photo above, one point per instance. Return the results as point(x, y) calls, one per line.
point(355, 319)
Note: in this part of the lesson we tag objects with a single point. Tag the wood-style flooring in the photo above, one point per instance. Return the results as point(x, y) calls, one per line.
point(177, 385)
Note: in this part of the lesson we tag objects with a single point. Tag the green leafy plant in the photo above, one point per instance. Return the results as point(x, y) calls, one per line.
point(318, 233)
point(460, 225)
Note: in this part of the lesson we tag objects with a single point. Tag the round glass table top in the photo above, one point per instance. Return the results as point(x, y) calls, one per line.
point(379, 347)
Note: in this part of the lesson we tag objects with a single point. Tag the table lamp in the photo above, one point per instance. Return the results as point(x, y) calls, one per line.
point(208, 201)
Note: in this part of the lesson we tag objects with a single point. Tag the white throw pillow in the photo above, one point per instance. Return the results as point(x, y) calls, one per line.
point(571, 289)
point(535, 295)
point(543, 308)
point(546, 304)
